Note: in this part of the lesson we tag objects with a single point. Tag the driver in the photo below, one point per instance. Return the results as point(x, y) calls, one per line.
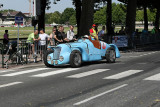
point(85, 37)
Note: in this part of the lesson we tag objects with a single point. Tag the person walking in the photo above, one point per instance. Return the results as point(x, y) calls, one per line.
point(6, 37)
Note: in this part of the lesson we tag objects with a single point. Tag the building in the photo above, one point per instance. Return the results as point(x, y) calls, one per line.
point(8, 18)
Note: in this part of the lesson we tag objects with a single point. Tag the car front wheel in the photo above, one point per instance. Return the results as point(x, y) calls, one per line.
point(75, 59)
point(46, 58)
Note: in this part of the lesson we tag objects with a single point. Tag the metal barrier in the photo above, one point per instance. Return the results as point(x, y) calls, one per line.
point(22, 53)
point(2, 55)
point(149, 39)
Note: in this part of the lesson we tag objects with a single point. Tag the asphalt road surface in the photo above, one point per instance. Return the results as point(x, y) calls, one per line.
point(133, 81)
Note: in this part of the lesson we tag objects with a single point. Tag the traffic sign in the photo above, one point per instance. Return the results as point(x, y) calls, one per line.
point(18, 20)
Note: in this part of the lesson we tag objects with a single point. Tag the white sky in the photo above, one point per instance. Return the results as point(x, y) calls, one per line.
point(23, 5)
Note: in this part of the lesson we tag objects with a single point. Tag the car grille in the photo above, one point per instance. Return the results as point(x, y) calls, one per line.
point(56, 53)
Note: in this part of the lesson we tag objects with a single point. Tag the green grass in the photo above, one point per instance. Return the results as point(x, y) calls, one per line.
point(24, 32)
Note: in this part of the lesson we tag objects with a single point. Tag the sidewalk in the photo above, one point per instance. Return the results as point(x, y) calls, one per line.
point(13, 66)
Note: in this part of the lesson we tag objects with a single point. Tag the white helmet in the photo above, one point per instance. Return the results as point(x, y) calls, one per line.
point(86, 36)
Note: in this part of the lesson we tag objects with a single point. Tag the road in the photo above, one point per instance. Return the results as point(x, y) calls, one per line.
point(133, 81)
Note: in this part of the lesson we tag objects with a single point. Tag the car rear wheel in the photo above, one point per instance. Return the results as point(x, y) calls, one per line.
point(75, 59)
point(111, 55)
point(46, 58)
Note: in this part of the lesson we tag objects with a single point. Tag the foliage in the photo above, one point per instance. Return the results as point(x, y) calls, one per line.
point(72, 20)
point(6, 10)
point(139, 15)
point(100, 16)
point(68, 12)
point(53, 17)
point(118, 14)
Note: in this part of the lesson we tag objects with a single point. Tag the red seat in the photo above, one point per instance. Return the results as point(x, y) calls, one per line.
point(96, 43)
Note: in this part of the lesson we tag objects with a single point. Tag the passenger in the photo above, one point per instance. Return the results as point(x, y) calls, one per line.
point(70, 34)
point(93, 33)
point(101, 33)
point(43, 37)
point(6, 37)
point(32, 38)
point(59, 37)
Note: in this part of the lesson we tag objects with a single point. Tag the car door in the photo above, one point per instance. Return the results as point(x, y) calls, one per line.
point(94, 53)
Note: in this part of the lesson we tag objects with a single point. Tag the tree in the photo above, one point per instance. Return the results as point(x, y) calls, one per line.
point(86, 16)
point(68, 12)
point(118, 14)
point(139, 15)
point(78, 5)
point(72, 20)
point(100, 16)
point(53, 17)
point(6, 10)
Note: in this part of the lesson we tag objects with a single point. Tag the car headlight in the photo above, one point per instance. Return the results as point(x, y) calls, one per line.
point(48, 58)
point(61, 58)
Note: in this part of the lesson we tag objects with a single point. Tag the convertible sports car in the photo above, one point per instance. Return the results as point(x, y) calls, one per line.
point(83, 50)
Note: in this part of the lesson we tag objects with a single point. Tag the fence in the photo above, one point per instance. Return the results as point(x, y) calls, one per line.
point(23, 52)
point(1, 55)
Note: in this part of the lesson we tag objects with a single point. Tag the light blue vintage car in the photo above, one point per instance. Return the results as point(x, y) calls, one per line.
point(83, 50)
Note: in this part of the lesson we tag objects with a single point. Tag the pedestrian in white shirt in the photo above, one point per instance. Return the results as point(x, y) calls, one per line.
point(43, 37)
point(70, 34)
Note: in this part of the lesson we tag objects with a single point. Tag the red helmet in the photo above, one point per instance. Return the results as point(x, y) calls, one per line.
point(94, 25)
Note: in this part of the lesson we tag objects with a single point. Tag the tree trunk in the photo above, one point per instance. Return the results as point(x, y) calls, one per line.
point(157, 18)
point(41, 18)
point(86, 17)
point(109, 21)
point(130, 19)
point(131, 16)
point(78, 5)
point(145, 18)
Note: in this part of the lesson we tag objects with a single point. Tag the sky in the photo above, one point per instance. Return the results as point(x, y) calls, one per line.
point(23, 5)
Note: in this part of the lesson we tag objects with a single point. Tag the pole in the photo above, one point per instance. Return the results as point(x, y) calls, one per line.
point(34, 8)
point(18, 44)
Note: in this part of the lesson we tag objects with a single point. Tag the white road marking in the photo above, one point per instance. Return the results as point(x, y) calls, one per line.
point(91, 98)
point(154, 77)
point(84, 74)
point(6, 71)
point(55, 72)
point(10, 84)
point(133, 56)
point(123, 74)
point(25, 72)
